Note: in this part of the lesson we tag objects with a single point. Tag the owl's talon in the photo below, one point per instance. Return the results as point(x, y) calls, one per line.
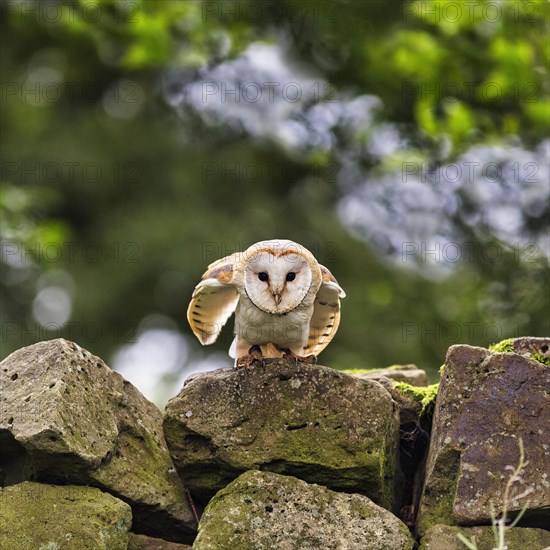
point(291, 357)
point(254, 355)
point(308, 359)
point(246, 361)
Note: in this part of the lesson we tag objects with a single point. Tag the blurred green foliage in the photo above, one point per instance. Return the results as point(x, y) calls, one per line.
point(111, 177)
point(466, 69)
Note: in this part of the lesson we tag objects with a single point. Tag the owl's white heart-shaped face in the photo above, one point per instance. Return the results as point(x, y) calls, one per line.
point(277, 283)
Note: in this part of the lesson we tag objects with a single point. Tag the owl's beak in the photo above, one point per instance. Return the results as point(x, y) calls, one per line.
point(277, 297)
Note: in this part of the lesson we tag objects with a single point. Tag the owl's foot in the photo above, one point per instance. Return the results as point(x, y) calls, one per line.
point(309, 359)
point(254, 354)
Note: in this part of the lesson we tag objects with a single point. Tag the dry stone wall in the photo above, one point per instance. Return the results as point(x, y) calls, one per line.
point(275, 455)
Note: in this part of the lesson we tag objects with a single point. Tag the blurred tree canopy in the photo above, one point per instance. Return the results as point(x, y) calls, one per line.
point(135, 151)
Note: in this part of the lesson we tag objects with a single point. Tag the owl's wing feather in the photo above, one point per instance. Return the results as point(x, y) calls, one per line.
point(214, 300)
point(326, 314)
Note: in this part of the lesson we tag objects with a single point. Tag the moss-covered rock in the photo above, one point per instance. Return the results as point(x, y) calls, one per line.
point(486, 402)
point(534, 347)
point(410, 374)
point(441, 537)
point(262, 511)
point(36, 516)
point(68, 418)
point(313, 422)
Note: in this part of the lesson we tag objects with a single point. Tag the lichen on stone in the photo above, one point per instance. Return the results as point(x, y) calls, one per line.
point(263, 510)
point(42, 516)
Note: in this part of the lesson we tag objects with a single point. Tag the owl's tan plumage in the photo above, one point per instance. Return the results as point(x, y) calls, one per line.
point(284, 301)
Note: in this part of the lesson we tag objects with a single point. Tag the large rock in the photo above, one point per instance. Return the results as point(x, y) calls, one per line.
point(313, 422)
point(444, 537)
point(39, 516)
point(486, 402)
point(262, 511)
point(67, 418)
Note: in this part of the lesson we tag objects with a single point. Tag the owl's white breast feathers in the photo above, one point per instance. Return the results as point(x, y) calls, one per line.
point(256, 327)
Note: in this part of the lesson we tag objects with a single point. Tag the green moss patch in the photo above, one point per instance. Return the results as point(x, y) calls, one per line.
point(541, 358)
point(503, 347)
point(426, 396)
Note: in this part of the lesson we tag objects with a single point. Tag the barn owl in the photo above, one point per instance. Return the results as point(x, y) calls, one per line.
point(286, 304)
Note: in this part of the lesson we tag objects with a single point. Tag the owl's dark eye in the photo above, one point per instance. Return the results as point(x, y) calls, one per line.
point(263, 276)
point(290, 276)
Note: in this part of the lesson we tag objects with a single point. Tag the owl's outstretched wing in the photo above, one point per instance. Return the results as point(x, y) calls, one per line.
point(214, 300)
point(326, 314)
